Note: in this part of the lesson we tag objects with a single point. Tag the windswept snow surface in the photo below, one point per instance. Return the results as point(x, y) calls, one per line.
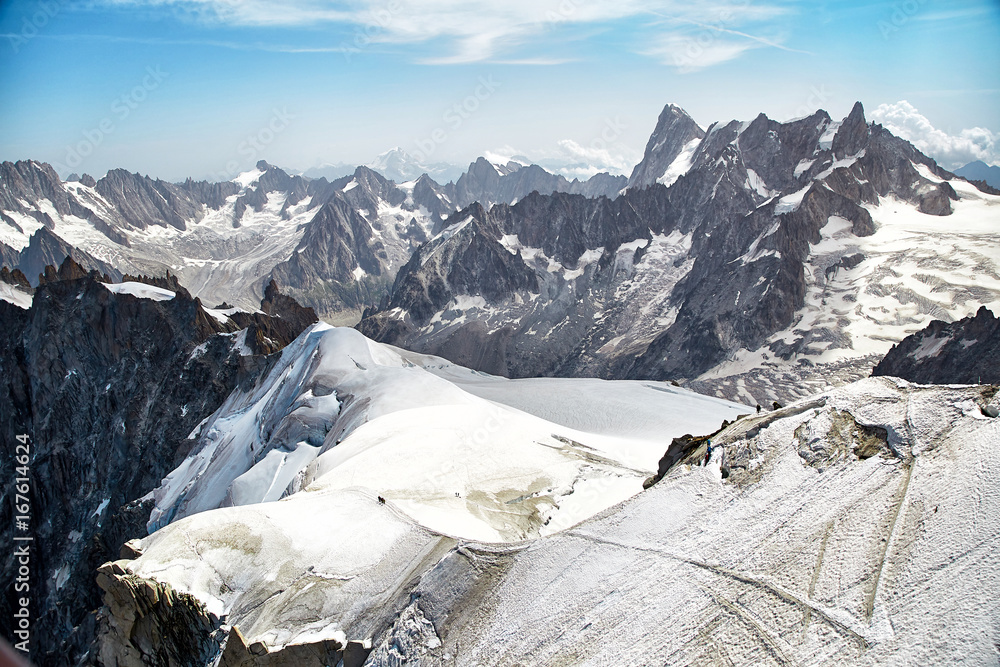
point(11, 294)
point(805, 555)
point(856, 527)
point(460, 452)
point(141, 290)
point(295, 572)
point(340, 421)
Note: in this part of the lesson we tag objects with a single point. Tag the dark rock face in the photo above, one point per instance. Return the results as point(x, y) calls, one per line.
point(598, 185)
point(15, 277)
point(283, 319)
point(161, 627)
point(108, 386)
point(30, 180)
point(962, 352)
point(674, 130)
point(142, 201)
point(320, 271)
point(9, 256)
point(663, 282)
point(314, 654)
point(86, 179)
point(433, 197)
point(45, 249)
point(359, 238)
point(466, 258)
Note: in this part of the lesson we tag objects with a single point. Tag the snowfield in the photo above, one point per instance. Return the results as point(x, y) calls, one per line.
point(462, 453)
point(806, 554)
point(856, 527)
point(11, 294)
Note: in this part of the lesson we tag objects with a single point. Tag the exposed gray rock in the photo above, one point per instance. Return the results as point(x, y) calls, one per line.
point(320, 271)
point(664, 283)
point(46, 249)
point(109, 386)
point(144, 622)
point(490, 184)
point(675, 130)
point(962, 352)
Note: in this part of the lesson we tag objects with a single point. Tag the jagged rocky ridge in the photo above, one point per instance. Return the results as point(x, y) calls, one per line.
point(852, 527)
point(962, 352)
point(774, 256)
point(336, 246)
point(109, 385)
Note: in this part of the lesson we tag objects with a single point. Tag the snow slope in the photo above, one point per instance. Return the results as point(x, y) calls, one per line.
point(383, 460)
point(805, 555)
point(457, 451)
point(140, 290)
point(856, 527)
point(11, 294)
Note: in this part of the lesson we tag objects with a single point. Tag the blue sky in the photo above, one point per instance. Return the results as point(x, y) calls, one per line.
point(204, 87)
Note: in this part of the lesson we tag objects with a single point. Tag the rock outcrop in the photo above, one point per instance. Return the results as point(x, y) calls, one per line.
point(962, 352)
point(108, 386)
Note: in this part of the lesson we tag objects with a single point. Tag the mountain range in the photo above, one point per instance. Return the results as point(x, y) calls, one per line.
point(748, 259)
point(756, 260)
point(552, 434)
point(335, 245)
point(980, 171)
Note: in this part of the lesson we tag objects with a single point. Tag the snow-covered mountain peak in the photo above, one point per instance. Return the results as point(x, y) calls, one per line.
point(669, 149)
point(399, 166)
point(248, 178)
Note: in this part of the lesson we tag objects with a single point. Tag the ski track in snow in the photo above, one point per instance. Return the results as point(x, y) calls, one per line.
point(805, 555)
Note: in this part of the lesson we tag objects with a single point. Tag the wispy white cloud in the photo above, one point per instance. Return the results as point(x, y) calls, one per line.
point(465, 31)
point(222, 44)
point(585, 161)
point(692, 42)
point(951, 151)
point(968, 13)
point(688, 54)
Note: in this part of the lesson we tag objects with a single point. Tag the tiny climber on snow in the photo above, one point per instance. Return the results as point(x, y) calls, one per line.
point(708, 452)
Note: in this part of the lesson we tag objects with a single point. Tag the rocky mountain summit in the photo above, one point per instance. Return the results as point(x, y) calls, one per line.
point(110, 379)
